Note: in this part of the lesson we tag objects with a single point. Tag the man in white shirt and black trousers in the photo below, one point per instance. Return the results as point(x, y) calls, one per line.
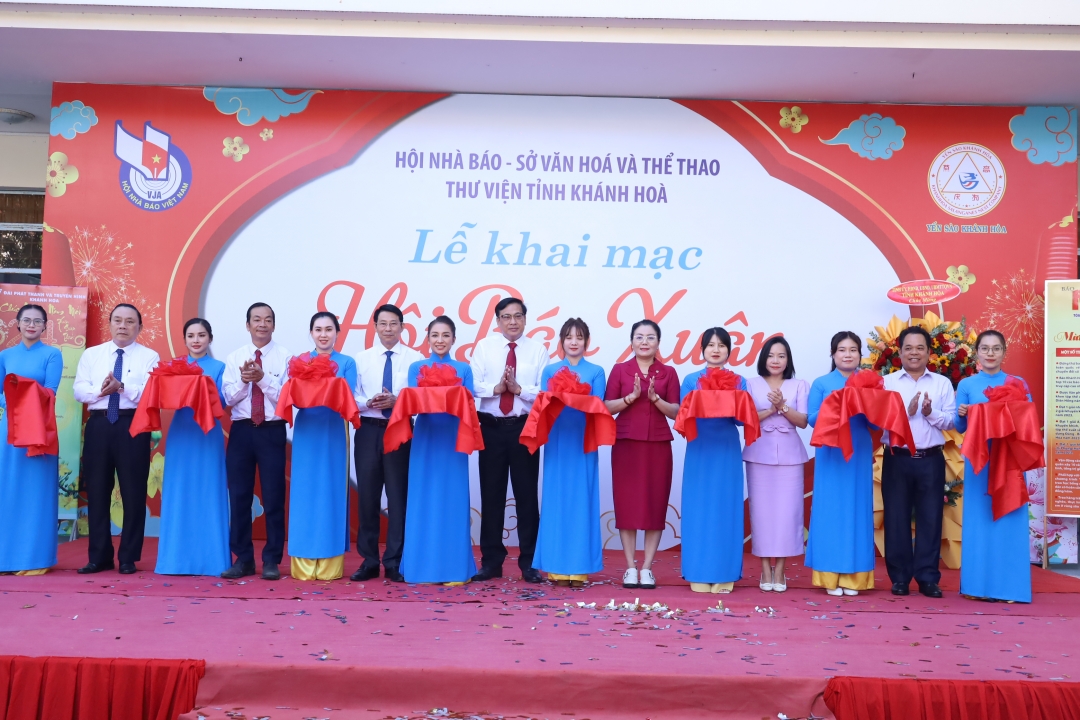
point(254, 375)
point(916, 480)
point(381, 371)
point(507, 369)
point(109, 381)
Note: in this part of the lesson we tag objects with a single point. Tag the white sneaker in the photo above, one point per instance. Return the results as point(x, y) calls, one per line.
point(780, 586)
point(767, 587)
point(850, 592)
point(648, 582)
point(630, 578)
point(837, 592)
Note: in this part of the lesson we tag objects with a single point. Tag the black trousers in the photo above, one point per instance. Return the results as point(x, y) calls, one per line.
point(251, 447)
point(109, 451)
point(504, 454)
point(376, 470)
point(913, 484)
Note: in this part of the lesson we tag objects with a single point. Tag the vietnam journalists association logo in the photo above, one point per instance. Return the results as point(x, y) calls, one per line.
point(155, 175)
point(967, 180)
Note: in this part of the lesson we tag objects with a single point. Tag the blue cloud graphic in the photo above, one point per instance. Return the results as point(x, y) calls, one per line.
point(872, 136)
point(250, 105)
point(72, 118)
point(1046, 134)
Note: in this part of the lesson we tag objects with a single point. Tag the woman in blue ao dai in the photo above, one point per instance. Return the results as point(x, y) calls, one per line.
point(568, 546)
point(438, 545)
point(319, 489)
point(29, 492)
point(994, 558)
point(840, 547)
point(712, 487)
point(194, 535)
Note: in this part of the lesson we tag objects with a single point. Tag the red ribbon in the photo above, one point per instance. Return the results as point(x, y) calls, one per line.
point(719, 379)
point(699, 404)
point(31, 414)
point(437, 375)
point(319, 367)
point(454, 400)
point(172, 386)
point(565, 389)
point(1013, 425)
point(330, 392)
point(862, 395)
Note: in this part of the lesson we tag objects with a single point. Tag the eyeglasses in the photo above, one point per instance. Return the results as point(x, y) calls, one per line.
point(645, 338)
point(36, 322)
point(516, 316)
point(388, 325)
point(991, 349)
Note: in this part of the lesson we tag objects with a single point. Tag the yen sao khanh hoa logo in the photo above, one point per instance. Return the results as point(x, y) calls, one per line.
point(155, 175)
point(967, 180)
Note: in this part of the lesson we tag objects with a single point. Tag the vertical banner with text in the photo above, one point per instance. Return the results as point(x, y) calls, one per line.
point(1063, 397)
point(66, 307)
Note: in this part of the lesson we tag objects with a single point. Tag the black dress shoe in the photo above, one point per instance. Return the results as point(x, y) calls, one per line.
point(238, 570)
point(930, 590)
point(899, 588)
point(270, 571)
point(365, 573)
point(487, 573)
point(393, 575)
point(91, 568)
point(127, 568)
point(531, 575)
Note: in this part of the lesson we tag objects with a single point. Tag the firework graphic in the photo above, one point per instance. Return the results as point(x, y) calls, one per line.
point(101, 264)
point(1015, 308)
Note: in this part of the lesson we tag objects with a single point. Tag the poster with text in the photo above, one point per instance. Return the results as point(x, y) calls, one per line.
point(1063, 398)
point(761, 217)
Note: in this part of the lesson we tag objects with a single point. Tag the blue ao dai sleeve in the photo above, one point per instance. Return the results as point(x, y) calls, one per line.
point(349, 373)
point(54, 370)
point(813, 404)
point(689, 384)
point(467, 379)
point(414, 372)
point(599, 383)
point(219, 381)
point(963, 397)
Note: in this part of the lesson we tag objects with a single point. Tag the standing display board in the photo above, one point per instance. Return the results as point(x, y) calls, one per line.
point(1062, 403)
point(795, 218)
point(66, 330)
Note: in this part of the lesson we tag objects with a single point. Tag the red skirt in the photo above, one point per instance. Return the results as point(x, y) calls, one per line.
point(641, 483)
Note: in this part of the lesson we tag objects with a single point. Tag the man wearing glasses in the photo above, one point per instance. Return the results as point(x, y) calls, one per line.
point(507, 369)
point(381, 371)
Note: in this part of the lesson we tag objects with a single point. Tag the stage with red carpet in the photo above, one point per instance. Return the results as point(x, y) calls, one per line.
point(376, 649)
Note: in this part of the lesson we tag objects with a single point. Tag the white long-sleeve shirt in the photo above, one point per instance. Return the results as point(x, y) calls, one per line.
point(369, 373)
point(98, 362)
point(926, 430)
point(489, 362)
point(275, 365)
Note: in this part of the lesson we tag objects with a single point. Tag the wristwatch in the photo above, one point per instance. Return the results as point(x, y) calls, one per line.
point(784, 410)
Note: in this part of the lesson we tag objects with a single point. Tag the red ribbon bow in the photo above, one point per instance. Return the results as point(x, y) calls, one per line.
point(862, 394)
point(718, 396)
point(177, 366)
point(565, 389)
point(437, 375)
point(1012, 422)
point(719, 379)
point(455, 400)
point(174, 385)
point(31, 416)
point(319, 367)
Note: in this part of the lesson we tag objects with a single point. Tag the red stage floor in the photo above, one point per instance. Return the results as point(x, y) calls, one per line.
point(382, 650)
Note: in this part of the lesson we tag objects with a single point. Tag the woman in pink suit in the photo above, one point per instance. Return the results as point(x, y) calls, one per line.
point(774, 463)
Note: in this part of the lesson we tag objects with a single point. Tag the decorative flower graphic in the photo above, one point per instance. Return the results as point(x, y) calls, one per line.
point(58, 174)
point(157, 474)
point(961, 275)
point(266, 134)
point(793, 118)
point(235, 148)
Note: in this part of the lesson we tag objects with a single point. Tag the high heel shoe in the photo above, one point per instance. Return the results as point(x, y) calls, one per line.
point(765, 586)
point(780, 586)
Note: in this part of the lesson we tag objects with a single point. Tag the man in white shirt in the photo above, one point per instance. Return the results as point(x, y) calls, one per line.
point(254, 375)
point(381, 371)
point(109, 381)
point(915, 481)
point(507, 368)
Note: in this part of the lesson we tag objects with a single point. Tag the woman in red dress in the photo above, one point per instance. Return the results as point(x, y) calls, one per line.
point(643, 393)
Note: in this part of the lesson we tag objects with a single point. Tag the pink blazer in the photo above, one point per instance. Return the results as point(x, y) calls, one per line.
point(779, 443)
